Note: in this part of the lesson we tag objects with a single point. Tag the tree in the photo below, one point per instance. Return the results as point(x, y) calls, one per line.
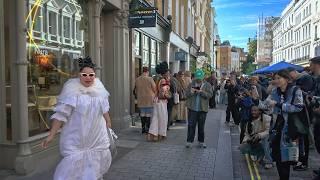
point(252, 48)
point(248, 67)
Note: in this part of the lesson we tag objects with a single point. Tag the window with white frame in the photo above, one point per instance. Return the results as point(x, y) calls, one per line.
point(53, 25)
point(66, 27)
point(78, 31)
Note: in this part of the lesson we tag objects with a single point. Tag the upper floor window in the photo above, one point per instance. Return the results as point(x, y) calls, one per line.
point(53, 18)
point(67, 27)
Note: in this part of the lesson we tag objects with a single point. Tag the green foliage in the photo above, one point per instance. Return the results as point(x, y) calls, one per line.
point(252, 48)
point(248, 67)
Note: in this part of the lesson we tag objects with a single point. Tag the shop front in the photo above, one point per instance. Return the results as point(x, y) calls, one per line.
point(178, 45)
point(149, 46)
point(34, 65)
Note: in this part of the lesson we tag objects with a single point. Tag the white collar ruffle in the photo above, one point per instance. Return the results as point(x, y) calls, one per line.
point(73, 87)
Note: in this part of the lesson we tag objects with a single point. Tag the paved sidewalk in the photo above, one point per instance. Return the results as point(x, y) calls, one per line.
point(169, 159)
point(138, 159)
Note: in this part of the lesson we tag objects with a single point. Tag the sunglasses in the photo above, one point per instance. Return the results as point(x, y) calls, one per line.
point(87, 74)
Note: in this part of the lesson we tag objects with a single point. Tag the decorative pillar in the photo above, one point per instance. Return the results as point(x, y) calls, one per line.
point(3, 122)
point(168, 53)
point(24, 163)
point(95, 8)
point(116, 64)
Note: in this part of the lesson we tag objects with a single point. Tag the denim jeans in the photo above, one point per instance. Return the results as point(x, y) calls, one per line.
point(267, 150)
point(196, 118)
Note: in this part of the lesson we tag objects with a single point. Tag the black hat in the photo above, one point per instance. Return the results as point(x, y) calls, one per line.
point(315, 60)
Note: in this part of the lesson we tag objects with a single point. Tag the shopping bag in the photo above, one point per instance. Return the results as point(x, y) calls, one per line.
point(112, 139)
point(176, 98)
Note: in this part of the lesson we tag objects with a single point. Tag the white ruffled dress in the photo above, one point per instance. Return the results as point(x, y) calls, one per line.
point(84, 142)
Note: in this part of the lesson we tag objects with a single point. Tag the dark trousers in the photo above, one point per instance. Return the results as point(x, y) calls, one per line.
point(169, 109)
point(242, 130)
point(145, 124)
point(316, 134)
point(283, 170)
point(212, 101)
point(232, 109)
point(304, 149)
point(194, 118)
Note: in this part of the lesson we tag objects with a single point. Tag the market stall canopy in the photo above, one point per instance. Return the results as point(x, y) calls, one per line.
point(277, 67)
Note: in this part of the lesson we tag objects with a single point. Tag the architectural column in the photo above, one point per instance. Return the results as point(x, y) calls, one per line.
point(95, 8)
point(168, 44)
point(116, 65)
point(3, 119)
point(18, 53)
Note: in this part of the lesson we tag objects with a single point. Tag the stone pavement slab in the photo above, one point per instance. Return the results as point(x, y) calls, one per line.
point(169, 159)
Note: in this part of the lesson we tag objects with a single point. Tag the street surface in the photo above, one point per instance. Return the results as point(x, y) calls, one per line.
point(138, 159)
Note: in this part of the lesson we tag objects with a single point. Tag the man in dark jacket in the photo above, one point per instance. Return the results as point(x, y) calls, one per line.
point(315, 68)
point(232, 108)
point(214, 83)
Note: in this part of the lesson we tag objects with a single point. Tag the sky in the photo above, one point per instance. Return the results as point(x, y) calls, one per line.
point(237, 19)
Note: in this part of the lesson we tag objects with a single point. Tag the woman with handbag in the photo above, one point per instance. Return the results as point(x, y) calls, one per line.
point(82, 109)
point(284, 101)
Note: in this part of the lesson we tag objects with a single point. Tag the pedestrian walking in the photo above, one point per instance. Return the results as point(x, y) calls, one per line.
point(145, 89)
point(82, 109)
point(198, 94)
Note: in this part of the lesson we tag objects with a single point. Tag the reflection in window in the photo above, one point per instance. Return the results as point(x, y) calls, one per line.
point(137, 42)
point(52, 23)
point(78, 31)
point(145, 51)
point(66, 27)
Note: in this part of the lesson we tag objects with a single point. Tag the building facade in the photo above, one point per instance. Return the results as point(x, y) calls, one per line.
point(295, 33)
point(40, 42)
point(264, 41)
point(224, 59)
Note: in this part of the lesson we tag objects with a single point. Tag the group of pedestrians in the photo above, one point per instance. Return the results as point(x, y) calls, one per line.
point(166, 98)
point(278, 120)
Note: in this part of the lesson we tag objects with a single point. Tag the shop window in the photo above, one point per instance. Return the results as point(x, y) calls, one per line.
point(51, 65)
point(137, 43)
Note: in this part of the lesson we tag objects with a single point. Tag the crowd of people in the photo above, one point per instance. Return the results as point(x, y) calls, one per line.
point(167, 98)
point(278, 116)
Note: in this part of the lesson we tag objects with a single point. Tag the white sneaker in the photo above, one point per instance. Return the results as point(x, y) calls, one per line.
point(188, 145)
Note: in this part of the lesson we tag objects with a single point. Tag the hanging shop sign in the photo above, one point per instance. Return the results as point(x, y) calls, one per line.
point(142, 18)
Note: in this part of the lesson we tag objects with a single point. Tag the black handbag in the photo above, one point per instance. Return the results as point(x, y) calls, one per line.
point(297, 121)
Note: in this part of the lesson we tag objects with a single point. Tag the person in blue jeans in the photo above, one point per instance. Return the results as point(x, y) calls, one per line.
point(255, 142)
point(198, 94)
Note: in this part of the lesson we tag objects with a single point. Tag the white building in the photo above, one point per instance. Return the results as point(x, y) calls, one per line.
point(235, 60)
point(294, 33)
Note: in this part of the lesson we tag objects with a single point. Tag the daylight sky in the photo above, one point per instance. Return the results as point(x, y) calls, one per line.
point(237, 19)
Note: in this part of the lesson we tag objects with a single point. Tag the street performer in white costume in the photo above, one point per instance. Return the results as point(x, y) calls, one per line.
point(82, 109)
